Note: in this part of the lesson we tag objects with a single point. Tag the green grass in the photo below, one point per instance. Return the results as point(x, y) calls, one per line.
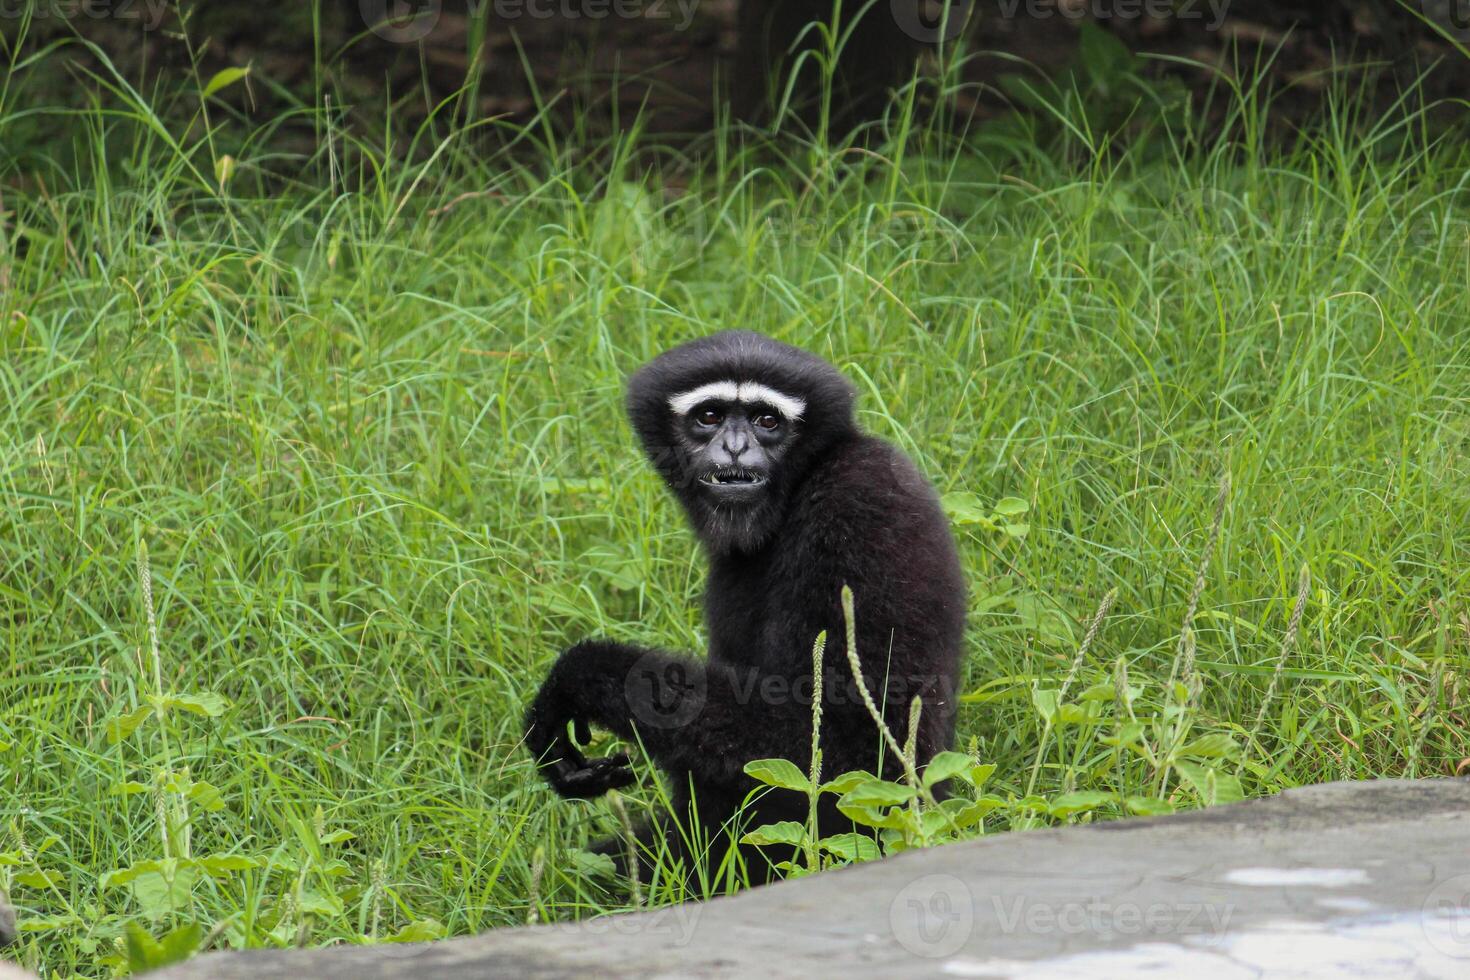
point(361, 412)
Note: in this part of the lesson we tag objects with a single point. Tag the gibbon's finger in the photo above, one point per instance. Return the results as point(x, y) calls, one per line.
point(608, 774)
point(582, 731)
point(584, 783)
point(570, 754)
point(619, 776)
point(619, 761)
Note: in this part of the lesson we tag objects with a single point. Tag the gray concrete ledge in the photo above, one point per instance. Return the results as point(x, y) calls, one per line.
point(1347, 879)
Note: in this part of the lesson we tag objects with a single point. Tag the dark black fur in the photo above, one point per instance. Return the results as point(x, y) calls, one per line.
point(840, 508)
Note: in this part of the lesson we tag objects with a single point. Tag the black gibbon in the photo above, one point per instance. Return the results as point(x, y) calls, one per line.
point(791, 502)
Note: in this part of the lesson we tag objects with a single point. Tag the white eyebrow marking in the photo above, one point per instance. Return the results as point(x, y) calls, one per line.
point(745, 392)
point(724, 391)
point(788, 405)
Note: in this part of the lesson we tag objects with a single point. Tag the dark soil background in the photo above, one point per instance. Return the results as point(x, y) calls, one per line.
point(673, 59)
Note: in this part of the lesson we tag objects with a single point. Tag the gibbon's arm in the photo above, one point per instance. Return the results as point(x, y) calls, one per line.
point(689, 716)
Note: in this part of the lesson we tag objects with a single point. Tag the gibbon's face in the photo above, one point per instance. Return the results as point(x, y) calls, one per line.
point(734, 435)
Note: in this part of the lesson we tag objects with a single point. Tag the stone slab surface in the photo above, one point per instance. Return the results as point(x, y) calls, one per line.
point(1347, 879)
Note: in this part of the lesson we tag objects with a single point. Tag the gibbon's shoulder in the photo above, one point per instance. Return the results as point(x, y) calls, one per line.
point(869, 480)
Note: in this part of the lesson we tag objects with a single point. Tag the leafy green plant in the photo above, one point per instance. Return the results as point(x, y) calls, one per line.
point(904, 814)
point(1103, 93)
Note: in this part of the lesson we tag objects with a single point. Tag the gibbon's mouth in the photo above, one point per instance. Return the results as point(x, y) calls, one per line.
point(733, 477)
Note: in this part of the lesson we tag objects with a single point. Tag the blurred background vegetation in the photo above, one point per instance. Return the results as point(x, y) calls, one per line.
point(594, 65)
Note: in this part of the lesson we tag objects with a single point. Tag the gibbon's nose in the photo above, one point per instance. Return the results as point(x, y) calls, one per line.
point(735, 443)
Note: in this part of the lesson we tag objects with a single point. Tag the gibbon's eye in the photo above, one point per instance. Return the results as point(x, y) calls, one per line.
point(709, 416)
point(766, 421)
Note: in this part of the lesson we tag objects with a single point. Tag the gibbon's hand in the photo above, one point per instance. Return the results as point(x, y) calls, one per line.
point(570, 773)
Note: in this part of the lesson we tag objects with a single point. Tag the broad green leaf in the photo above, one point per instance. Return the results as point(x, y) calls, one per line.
point(1148, 806)
point(1076, 714)
point(282, 862)
point(422, 930)
point(206, 797)
point(1045, 703)
point(946, 765)
point(223, 865)
point(851, 847)
point(1011, 507)
point(780, 773)
point(337, 836)
point(45, 923)
point(1129, 733)
point(967, 813)
point(1228, 789)
point(594, 865)
point(877, 792)
point(841, 784)
point(120, 728)
point(122, 876)
point(785, 832)
point(1216, 746)
point(1105, 59)
point(980, 774)
point(336, 868)
point(1109, 692)
point(965, 508)
point(1071, 803)
point(870, 816)
point(38, 879)
point(223, 79)
point(1212, 786)
point(164, 891)
point(320, 903)
point(146, 953)
point(207, 703)
point(938, 821)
